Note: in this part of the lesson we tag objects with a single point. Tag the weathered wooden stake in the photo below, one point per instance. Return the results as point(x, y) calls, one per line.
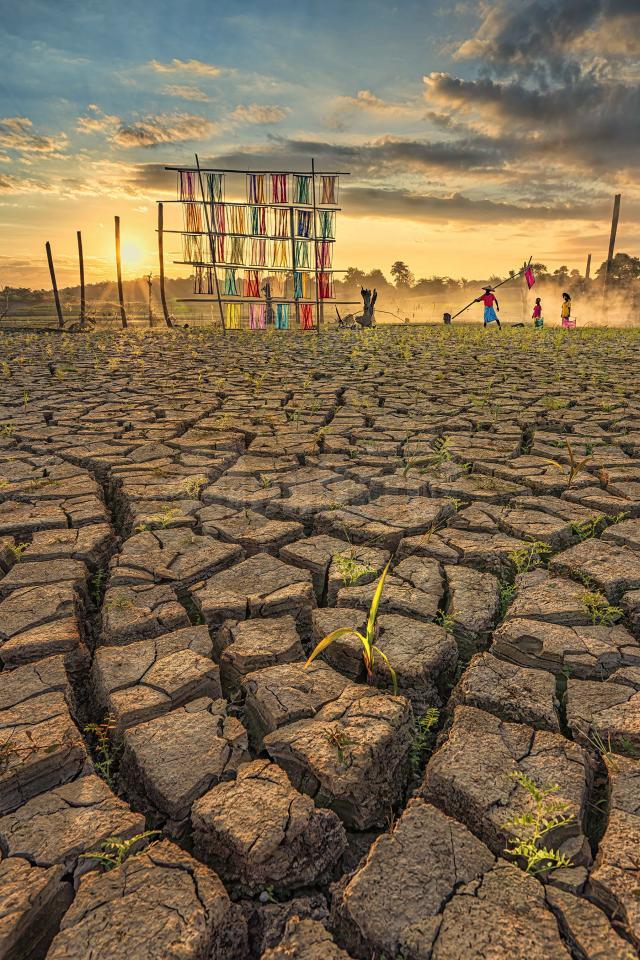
point(56, 297)
point(612, 244)
point(82, 295)
point(123, 314)
point(163, 296)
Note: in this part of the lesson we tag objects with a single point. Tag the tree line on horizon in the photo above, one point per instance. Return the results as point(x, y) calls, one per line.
point(624, 273)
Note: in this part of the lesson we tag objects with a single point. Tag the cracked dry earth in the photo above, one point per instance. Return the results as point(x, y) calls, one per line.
point(183, 516)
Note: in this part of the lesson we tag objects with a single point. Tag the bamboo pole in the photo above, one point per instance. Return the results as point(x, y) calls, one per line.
point(315, 243)
point(293, 266)
point(123, 314)
point(82, 290)
point(56, 296)
point(507, 280)
point(211, 246)
point(163, 296)
point(612, 244)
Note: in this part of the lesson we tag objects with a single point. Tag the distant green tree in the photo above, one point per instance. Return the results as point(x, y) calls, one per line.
point(402, 276)
point(624, 268)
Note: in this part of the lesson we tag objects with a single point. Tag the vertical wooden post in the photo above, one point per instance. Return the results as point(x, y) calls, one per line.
point(54, 284)
point(315, 238)
point(587, 272)
point(524, 293)
point(82, 290)
point(612, 244)
point(149, 279)
point(211, 247)
point(123, 315)
point(292, 227)
point(163, 296)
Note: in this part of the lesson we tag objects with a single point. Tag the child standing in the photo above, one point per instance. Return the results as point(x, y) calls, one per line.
point(565, 314)
point(538, 320)
point(488, 298)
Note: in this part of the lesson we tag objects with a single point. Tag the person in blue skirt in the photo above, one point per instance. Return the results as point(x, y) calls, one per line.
point(491, 305)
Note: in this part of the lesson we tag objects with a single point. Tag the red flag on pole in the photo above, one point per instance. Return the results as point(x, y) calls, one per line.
point(529, 277)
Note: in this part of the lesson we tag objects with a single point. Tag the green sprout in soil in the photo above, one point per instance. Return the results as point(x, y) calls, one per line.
point(115, 851)
point(528, 558)
point(442, 447)
point(545, 814)
point(97, 584)
point(105, 753)
point(445, 620)
point(17, 550)
point(369, 648)
point(587, 529)
point(506, 597)
point(349, 568)
point(575, 466)
point(601, 612)
point(341, 741)
point(423, 738)
point(193, 485)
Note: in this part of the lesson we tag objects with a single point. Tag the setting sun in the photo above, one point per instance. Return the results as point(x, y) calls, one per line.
point(132, 254)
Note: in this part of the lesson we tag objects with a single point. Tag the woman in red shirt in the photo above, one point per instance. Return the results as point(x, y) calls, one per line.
point(489, 298)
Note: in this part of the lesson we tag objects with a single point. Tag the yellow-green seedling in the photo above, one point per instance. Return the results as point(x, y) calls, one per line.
point(370, 650)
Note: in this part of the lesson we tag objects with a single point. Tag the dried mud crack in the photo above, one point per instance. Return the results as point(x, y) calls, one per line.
point(183, 517)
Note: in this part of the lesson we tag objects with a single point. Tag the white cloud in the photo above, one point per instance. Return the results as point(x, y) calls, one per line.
point(185, 92)
point(197, 67)
point(258, 113)
point(16, 133)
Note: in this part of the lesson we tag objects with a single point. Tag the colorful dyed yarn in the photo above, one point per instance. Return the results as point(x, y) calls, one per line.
point(301, 253)
point(251, 283)
point(215, 187)
point(280, 223)
point(233, 313)
point(278, 188)
point(220, 248)
point(236, 220)
point(324, 251)
point(298, 285)
point(237, 250)
point(255, 187)
point(281, 253)
point(325, 286)
point(192, 248)
point(258, 220)
point(327, 224)
point(230, 282)
point(259, 253)
point(306, 316)
point(282, 316)
point(218, 225)
point(186, 185)
point(257, 315)
point(328, 189)
point(192, 218)
point(304, 223)
point(301, 188)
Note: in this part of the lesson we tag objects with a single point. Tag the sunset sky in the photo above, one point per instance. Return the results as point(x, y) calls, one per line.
point(476, 133)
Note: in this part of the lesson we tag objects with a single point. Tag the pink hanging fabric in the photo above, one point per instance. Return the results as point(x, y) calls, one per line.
point(257, 316)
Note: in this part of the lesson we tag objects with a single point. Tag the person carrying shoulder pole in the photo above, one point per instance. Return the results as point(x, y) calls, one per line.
point(489, 299)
